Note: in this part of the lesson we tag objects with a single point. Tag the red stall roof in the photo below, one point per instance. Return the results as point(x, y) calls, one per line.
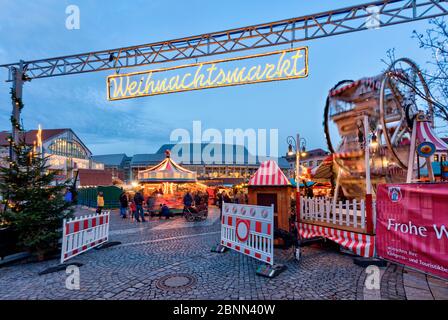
point(269, 174)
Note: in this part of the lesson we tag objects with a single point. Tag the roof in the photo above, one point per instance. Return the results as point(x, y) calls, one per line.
point(369, 83)
point(146, 159)
point(31, 135)
point(167, 171)
point(236, 150)
point(110, 159)
point(91, 177)
point(426, 133)
point(47, 134)
point(269, 174)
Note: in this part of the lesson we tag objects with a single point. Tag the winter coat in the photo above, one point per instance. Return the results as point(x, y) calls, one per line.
point(123, 200)
point(138, 199)
point(100, 201)
point(188, 200)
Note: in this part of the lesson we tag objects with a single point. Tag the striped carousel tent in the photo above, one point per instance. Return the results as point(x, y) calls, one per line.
point(426, 134)
point(167, 171)
point(269, 174)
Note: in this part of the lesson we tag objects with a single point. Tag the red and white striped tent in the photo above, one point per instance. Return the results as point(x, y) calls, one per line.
point(167, 171)
point(426, 134)
point(269, 174)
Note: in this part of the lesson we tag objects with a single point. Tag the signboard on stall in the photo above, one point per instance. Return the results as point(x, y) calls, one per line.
point(412, 226)
point(249, 230)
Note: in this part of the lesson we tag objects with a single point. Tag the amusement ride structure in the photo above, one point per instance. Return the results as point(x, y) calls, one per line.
point(383, 118)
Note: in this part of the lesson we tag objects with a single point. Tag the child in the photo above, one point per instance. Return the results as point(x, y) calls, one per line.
point(133, 210)
point(99, 202)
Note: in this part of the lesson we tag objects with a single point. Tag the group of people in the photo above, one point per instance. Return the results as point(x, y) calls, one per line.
point(135, 206)
point(197, 199)
point(238, 197)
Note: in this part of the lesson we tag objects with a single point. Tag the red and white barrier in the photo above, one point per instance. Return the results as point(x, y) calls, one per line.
point(360, 244)
point(84, 233)
point(249, 230)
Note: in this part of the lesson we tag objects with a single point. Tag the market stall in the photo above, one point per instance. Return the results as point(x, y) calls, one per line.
point(168, 182)
point(268, 186)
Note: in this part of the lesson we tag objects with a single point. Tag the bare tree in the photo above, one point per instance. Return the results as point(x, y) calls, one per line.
point(435, 39)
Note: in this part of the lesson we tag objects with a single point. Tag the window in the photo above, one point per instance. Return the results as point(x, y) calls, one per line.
point(436, 157)
point(443, 157)
point(67, 148)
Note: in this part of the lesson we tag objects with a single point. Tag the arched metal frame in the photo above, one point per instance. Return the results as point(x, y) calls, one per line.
point(389, 76)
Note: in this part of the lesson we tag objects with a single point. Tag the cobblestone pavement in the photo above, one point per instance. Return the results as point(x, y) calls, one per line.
point(171, 259)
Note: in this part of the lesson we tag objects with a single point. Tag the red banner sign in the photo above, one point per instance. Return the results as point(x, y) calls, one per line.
point(412, 226)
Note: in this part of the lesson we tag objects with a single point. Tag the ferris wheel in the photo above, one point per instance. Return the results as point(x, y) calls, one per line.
point(391, 101)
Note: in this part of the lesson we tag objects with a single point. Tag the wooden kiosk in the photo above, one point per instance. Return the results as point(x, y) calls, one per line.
point(268, 186)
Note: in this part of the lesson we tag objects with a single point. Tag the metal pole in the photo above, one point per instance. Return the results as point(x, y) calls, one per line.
point(17, 87)
point(367, 154)
point(411, 158)
point(369, 200)
point(298, 177)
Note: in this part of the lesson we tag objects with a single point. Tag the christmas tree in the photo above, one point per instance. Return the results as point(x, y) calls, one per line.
point(33, 205)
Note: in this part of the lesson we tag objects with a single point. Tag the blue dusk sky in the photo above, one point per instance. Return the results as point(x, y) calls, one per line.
point(36, 29)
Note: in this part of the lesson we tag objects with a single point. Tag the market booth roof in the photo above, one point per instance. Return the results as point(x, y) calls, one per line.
point(426, 133)
point(269, 174)
point(167, 171)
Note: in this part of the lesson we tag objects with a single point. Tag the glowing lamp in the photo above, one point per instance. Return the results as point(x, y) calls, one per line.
point(290, 152)
point(303, 154)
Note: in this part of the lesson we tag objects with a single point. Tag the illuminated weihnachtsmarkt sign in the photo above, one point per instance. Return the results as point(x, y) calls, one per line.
point(265, 67)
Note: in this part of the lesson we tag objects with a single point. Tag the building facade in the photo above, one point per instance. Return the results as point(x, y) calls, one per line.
point(65, 151)
point(213, 163)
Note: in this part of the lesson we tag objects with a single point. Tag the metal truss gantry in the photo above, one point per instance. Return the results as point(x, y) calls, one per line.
point(289, 31)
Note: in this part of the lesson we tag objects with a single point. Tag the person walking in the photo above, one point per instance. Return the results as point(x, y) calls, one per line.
point(138, 199)
point(99, 202)
point(219, 201)
point(124, 203)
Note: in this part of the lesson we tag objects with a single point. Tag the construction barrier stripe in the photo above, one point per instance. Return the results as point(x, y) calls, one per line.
point(248, 229)
point(360, 244)
point(76, 226)
point(256, 226)
point(83, 233)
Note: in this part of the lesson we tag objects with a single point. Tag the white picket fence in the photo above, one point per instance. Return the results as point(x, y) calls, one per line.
point(349, 213)
point(83, 233)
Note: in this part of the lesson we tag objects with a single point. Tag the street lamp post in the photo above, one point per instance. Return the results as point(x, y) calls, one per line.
point(299, 146)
